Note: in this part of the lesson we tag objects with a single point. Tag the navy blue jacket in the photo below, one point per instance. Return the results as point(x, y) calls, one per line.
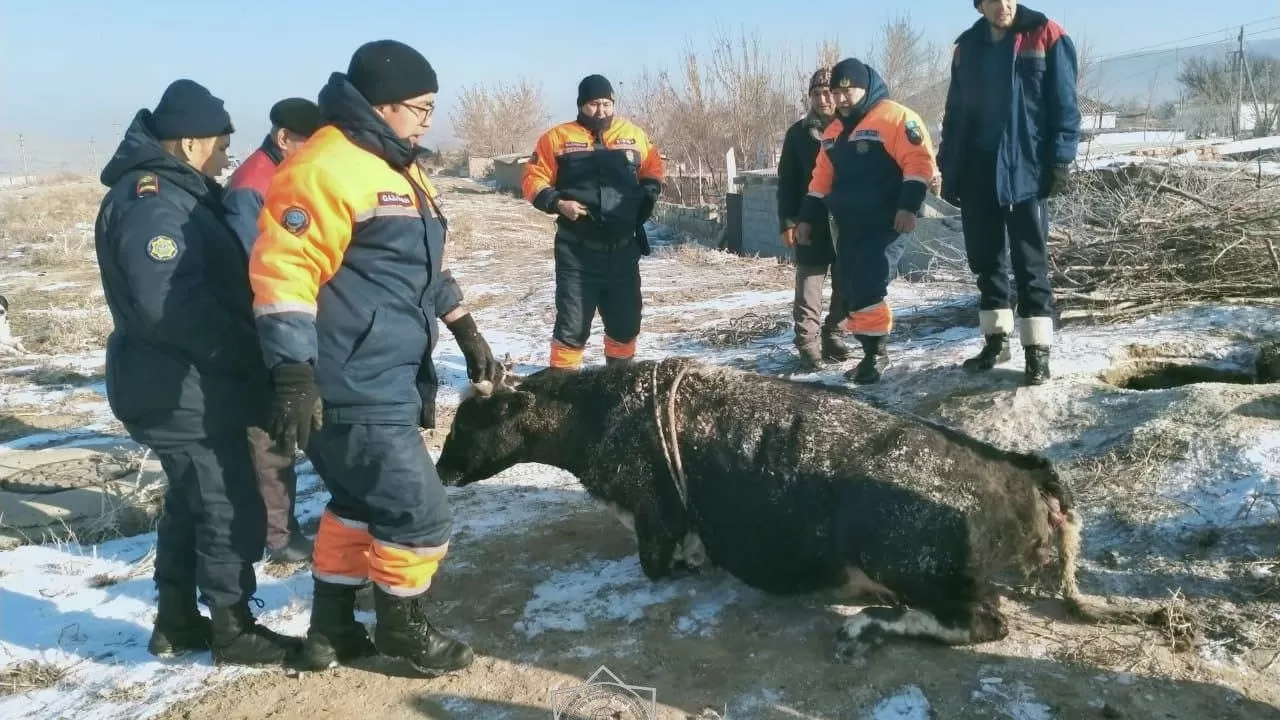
point(246, 189)
point(183, 360)
point(347, 269)
point(1043, 130)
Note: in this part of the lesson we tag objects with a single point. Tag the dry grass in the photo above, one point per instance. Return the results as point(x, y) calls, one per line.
point(67, 323)
point(1143, 462)
point(28, 675)
point(58, 219)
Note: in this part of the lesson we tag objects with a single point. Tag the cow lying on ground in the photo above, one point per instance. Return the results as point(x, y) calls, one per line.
point(791, 487)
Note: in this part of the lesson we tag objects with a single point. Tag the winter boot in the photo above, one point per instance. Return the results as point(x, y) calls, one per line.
point(403, 632)
point(617, 361)
point(179, 626)
point(1037, 372)
point(298, 549)
point(875, 360)
point(810, 355)
point(335, 637)
point(238, 639)
point(993, 353)
point(833, 348)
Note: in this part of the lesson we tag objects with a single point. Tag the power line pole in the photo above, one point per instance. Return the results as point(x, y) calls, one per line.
point(1235, 111)
point(22, 152)
point(93, 152)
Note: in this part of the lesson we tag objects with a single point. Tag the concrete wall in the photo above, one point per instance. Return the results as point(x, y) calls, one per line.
point(478, 167)
point(507, 174)
point(701, 223)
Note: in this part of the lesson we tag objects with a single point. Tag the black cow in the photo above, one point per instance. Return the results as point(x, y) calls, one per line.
point(791, 487)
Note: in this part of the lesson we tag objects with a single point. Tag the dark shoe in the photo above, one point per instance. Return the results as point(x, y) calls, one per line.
point(875, 360)
point(993, 353)
point(403, 632)
point(335, 637)
point(238, 639)
point(1037, 372)
point(179, 626)
point(298, 549)
point(810, 355)
point(617, 361)
point(833, 348)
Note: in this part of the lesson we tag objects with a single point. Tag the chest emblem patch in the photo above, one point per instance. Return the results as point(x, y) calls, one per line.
point(295, 220)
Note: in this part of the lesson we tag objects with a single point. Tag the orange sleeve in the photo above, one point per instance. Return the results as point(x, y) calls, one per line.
point(820, 181)
point(538, 183)
point(303, 233)
point(912, 148)
point(651, 165)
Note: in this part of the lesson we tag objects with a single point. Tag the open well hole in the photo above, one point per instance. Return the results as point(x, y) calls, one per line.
point(1165, 375)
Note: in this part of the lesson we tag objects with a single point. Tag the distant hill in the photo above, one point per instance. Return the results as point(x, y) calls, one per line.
point(1156, 73)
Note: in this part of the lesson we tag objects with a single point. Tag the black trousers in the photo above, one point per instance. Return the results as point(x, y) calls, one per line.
point(985, 224)
point(213, 527)
point(588, 280)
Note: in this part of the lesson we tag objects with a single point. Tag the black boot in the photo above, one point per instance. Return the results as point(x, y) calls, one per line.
point(617, 361)
point(993, 353)
point(1037, 372)
point(238, 639)
point(298, 549)
point(335, 637)
point(403, 632)
point(833, 348)
point(875, 360)
point(179, 626)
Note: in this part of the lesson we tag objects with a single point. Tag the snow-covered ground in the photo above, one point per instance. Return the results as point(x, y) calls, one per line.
point(87, 609)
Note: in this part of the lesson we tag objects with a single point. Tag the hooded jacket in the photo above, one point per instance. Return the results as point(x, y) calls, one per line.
point(183, 350)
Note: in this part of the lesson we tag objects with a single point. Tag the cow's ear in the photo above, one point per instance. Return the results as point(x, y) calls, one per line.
point(514, 402)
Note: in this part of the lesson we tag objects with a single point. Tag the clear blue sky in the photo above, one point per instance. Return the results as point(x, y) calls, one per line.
point(74, 69)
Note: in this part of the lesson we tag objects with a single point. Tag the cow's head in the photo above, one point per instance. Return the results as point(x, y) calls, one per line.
point(489, 433)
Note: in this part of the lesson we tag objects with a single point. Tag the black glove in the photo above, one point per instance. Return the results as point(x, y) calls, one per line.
point(295, 406)
point(642, 239)
point(1058, 181)
point(481, 364)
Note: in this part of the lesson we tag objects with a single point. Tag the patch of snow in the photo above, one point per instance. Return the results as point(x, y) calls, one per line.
point(59, 286)
point(1016, 701)
point(908, 704)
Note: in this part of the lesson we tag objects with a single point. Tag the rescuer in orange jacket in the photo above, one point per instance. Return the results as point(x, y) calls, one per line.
point(873, 172)
point(347, 282)
point(602, 177)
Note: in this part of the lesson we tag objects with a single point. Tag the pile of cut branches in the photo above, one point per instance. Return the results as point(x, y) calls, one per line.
point(1144, 238)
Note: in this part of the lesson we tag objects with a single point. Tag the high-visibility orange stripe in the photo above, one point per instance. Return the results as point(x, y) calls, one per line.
point(341, 552)
point(404, 571)
point(563, 356)
point(615, 349)
point(874, 320)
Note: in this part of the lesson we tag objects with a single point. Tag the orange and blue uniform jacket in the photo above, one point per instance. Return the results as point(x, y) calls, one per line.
point(617, 176)
point(872, 163)
point(346, 273)
point(1043, 126)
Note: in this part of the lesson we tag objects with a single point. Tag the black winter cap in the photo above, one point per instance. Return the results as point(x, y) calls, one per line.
point(388, 71)
point(188, 110)
point(297, 115)
point(850, 72)
point(594, 87)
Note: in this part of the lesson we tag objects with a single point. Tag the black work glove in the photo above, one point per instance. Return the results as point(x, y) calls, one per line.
point(1058, 181)
point(481, 364)
point(428, 385)
point(295, 406)
point(642, 239)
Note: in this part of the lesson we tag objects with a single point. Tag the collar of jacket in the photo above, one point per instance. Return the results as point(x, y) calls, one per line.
point(816, 124)
point(139, 150)
point(342, 105)
point(272, 150)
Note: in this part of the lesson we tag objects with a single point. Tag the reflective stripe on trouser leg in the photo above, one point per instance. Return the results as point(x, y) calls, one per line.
point(563, 356)
point(872, 320)
point(341, 553)
point(620, 350)
point(1036, 331)
point(995, 322)
point(404, 571)
point(620, 304)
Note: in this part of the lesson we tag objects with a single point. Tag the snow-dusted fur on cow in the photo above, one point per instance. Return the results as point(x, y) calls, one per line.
point(791, 487)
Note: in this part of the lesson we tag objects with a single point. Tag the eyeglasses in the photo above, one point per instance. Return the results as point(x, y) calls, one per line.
point(421, 111)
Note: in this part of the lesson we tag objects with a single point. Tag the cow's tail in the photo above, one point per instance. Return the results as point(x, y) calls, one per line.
point(1068, 541)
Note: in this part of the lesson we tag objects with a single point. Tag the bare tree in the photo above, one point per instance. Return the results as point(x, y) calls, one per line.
point(1222, 85)
point(502, 119)
point(915, 70)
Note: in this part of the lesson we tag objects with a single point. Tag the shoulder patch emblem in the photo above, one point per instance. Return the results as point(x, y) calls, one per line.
point(390, 198)
point(162, 248)
point(914, 134)
point(147, 185)
point(295, 220)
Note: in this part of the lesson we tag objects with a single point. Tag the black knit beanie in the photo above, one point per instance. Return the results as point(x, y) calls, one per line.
point(594, 87)
point(297, 115)
point(850, 72)
point(387, 71)
point(188, 110)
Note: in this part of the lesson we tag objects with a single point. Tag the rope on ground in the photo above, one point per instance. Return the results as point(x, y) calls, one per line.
point(743, 330)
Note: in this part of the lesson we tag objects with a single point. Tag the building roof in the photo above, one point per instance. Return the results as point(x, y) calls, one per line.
point(1089, 106)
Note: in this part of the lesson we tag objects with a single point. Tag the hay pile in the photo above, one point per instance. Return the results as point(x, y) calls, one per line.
point(1143, 238)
